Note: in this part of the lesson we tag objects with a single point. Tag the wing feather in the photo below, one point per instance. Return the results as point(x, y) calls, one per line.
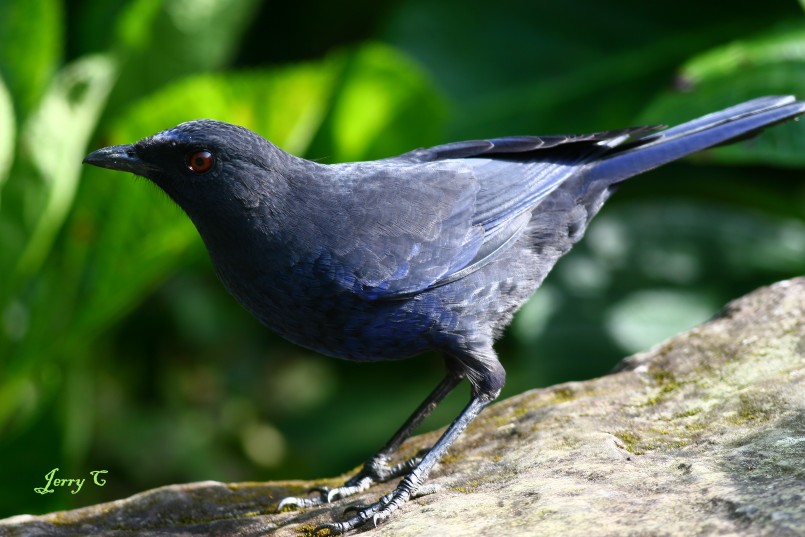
point(454, 208)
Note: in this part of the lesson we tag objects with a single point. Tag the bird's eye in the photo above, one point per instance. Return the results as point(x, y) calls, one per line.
point(200, 161)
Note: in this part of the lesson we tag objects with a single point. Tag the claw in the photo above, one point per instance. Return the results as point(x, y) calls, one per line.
point(287, 502)
point(333, 494)
point(375, 519)
point(306, 502)
point(357, 508)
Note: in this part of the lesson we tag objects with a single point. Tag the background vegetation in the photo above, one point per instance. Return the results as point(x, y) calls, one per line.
point(120, 351)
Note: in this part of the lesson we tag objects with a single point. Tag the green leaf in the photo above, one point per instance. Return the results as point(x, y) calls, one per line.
point(54, 140)
point(385, 105)
point(203, 34)
point(769, 64)
point(555, 67)
point(30, 44)
point(7, 133)
point(286, 105)
point(162, 41)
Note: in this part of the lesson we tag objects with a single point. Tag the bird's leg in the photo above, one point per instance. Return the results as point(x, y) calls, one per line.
point(376, 469)
point(412, 482)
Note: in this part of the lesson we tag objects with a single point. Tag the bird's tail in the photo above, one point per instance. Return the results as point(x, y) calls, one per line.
point(728, 125)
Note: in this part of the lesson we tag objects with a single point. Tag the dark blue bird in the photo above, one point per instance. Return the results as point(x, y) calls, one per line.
point(430, 250)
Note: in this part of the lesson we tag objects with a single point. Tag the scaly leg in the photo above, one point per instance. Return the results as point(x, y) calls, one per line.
point(412, 482)
point(376, 469)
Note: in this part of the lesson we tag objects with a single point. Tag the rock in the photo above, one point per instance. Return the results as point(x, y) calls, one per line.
point(702, 435)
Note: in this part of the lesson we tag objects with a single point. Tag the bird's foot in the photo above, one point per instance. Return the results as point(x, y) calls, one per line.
point(410, 487)
point(376, 470)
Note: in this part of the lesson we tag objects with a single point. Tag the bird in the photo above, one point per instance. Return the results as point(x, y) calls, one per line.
point(431, 250)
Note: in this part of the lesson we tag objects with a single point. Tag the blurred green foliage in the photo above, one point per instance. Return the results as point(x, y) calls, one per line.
point(120, 351)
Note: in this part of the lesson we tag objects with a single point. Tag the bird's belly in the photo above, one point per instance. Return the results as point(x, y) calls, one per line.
point(343, 325)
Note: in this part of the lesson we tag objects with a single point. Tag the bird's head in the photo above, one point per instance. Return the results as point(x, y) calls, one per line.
point(203, 164)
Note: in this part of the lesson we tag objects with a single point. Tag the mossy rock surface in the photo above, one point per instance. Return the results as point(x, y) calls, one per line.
point(702, 435)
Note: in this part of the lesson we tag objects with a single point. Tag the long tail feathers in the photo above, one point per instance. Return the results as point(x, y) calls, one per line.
point(730, 124)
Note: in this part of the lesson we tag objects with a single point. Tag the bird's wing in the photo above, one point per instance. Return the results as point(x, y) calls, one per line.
point(511, 146)
point(398, 227)
point(433, 216)
point(516, 173)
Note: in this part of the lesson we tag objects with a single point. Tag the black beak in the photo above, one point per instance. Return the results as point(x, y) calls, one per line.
point(119, 157)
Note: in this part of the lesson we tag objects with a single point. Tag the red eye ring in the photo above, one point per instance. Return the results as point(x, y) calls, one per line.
point(200, 161)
